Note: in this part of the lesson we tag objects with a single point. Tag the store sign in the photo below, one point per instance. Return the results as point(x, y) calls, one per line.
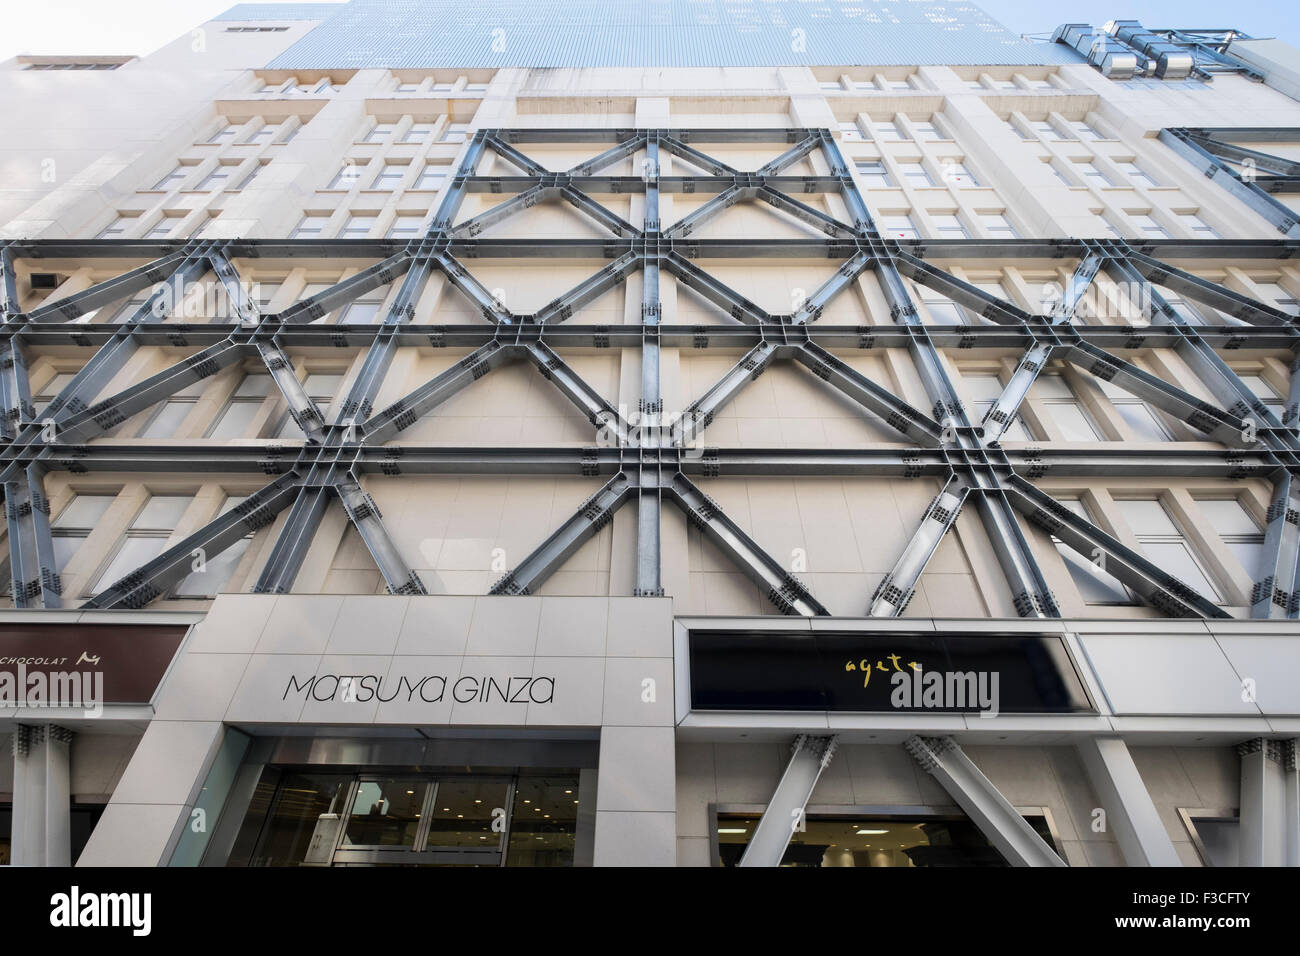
point(883, 672)
point(429, 688)
point(84, 665)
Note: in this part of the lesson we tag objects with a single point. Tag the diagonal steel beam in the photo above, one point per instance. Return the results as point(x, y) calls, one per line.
point(609, 157)
point(589, 290)
point(804, 213)
point(1277, 592)
point(301, 406)
point(596, 408)
point(1153, 584)
point(514, 156)
point(724, 297)
point(365, 516)
point(714, 207)
point(895, 590)
point(783, 589)
point(463, 282)
point(699, 414)
point(502, 211)
point(598, 213)
point(342, 292)
point(843, 279)
point(152, 580)
point(107, 292)
point(290, 550)
point(965, 294)
point(897, 414)
point(791, 156)
point(1216, 296)
point(406, 411)
point(695, 157)
point(594, 513)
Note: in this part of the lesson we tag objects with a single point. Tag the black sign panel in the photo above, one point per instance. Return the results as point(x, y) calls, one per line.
point(883, 672)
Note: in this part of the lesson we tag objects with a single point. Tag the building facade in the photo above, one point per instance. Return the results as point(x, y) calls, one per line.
point(687, 434)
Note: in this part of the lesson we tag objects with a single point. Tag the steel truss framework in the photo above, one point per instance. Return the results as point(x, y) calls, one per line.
point(652, 460)
point(1216, 153)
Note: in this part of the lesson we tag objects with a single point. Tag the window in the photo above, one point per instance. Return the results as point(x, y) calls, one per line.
point(380, 132)
point(850, 133)
point(75, 523)
point(390, 176)
point(167, 418)
point(943, 311)
point(897, 85)
point(1095, 585)
point(432, 176)
point(832, 87)
point(1283, 299)
point(455, 133)
point(358, 226)
point(874, 175)
point(926, 131)
point(313, 289)
point(408, 87)
point(310, 227)
point(252, 174)
point(145, 539)
point(237, 417)
point(1148, 226)
point(263, 136)
point(1083, 130)
point(1234, 524)
point(914, 174)
point(1137, 414)
point(364, 310)
point(997, 225)
point(1264, 392)
point(348, 175)
point(1197, 226)
point(1182, 308)
point(983, 391)
point(224, 135)
point(443, 87)
point(174, 178)
point(50, 391)
point(1164, 545)
point(886, 132)
point(219, 178)
point(321, 389)
point(1133, 172)
point(407, 226)
point(164, 228)
point(119, 226)
point(1092, 176)
point(271, 87)
point(948, 226)
point(1056, 172)
point(1064, 408)
point(956, 174)
point(898, 227)
point(1045, 130)
point(476, 87)
point(418, 133)
point(218, 568)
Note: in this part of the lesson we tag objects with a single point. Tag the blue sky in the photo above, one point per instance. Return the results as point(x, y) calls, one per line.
point(141, 26)
point(1278, 18)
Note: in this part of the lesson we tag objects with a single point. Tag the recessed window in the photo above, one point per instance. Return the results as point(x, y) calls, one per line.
point(237, 417)
point(263, 136)
point(310, 227)
point(1148, 226)
point(364, 310)
point(174, 178)
point(224, 135)
point(1234, 524)
point(418, 132)
point(874, 175)
point(956, 174)
point(119, 226)
point(1096, 586)
point(218, 569)
point(1045, 130)
point(926, 131)
point(1137, 414)
point(1197, 226)
point(55, 384)
point(347, 176)
point(898, 226)
point(390, 176)
point(948, 226)
point(219, 178)
point(1135, 173)
point(145, 539)
point(997, 225)
point(380, 132)
point(164, 228)
point(358, 227)
point(1064, 408)
point(942, 310)
point(432, 176)
point(887, 132)
point(69, 531)
point(834, 86)
point(455, 133)
point(1282, 299)
point(914, 174)
point(1092, 176)
point(406, 227)
point(1164, 544)
point(253, 173)
point(1083, 130)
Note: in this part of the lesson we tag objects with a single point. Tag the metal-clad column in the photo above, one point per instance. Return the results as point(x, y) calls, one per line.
point(785, 811)
point(997, 819)
point(1263, 801)
point(1130, 814)
point(649, 492)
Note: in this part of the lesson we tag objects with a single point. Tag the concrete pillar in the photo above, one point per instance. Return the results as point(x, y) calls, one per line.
point(42, 819)
point(1263, 803)
point(1132, 815)
point(636, 801)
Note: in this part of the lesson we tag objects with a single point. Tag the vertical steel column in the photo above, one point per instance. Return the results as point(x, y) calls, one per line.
point(15, 389)
point(1262, 803)
point(1130, 813)
point(649, 492)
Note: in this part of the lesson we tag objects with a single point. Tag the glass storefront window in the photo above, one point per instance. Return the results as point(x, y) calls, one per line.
point(463, 811)
point(544, 822)
point(284, 820)
point(873, 841)
point(386, 812)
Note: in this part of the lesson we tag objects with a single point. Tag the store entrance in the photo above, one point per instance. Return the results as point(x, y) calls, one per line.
point(306, 818)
